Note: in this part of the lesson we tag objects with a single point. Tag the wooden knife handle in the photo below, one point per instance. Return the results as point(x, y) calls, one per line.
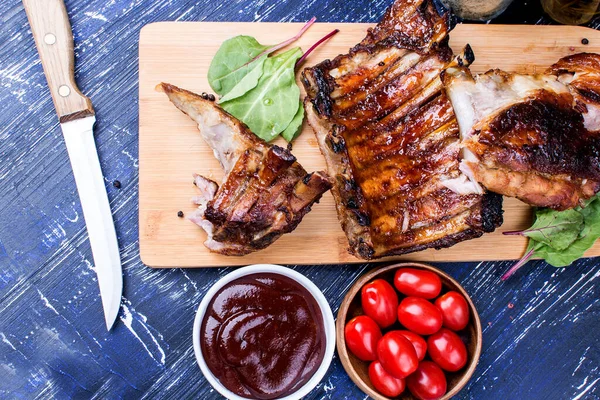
point(54, 40)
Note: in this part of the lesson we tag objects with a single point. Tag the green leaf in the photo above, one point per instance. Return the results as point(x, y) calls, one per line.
point(269, 107)
point(586, 239)
point(295, 127)
point(555, 229)
point(561, 237)
point(231, 63)
point(555, 258)
point(248, 82)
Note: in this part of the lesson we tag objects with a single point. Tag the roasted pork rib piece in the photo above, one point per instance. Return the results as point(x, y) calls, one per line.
point(390, 138)
point(581, 73)
point(527, 136)
point(265, 192)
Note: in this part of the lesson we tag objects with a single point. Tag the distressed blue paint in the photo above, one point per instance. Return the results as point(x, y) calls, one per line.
point(52, 337)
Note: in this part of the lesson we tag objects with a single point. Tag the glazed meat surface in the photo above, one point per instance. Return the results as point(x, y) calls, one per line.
point(527, 136)
point(390, 138)
point(581, 73)
point(265, 192)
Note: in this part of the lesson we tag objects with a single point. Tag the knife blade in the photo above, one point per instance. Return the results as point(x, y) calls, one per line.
point(54, 40)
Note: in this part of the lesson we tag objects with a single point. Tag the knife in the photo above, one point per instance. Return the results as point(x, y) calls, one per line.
point(54, 40)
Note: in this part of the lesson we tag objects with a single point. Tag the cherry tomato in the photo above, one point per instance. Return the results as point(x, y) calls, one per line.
point(419, 316)
point(418, 283)
point(397, 354)
point(454, 309)
point(385, 383)
point(428, 382)
point(447, 350)
point(362, 335)
point(380, 302)
point(418, 343)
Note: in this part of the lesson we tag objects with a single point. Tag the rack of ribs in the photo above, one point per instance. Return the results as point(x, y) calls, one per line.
point(534, 137)
point(391, 140)
point(265, 192)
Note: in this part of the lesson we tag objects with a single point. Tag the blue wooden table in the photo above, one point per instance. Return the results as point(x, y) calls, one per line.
point(541, 328)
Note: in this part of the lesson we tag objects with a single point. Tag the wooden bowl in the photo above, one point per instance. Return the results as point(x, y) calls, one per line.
point(358, 369)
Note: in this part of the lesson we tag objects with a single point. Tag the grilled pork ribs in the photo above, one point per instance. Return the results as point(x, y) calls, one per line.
point(391, 140)
point(534, 137)
point(265, 192)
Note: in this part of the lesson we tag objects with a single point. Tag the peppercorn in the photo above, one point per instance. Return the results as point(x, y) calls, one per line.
point(180, 214)
point(381, 63)
point(204, 96)
point(585, 41)
point(211, 97)
point(117, 184)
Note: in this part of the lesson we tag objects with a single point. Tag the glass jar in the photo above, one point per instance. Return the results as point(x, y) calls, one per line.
point(478, 10)
point(571, 12)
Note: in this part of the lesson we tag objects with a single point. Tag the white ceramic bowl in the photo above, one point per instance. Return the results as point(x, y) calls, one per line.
point(328, 325)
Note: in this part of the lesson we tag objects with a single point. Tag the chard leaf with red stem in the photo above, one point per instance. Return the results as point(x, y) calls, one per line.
point(560, 237)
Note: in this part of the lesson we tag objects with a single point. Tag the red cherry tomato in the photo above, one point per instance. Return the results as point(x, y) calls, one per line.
point(419, 315)
point(380, 302)
point(454, 309)
point(418, 343)
point(362, 335)
point(447, 350)
point(428, 382)
point(385, 383)
point(397, 354)
point(418, 283)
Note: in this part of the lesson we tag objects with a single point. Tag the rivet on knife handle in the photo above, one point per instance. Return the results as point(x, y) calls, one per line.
point(54, 40)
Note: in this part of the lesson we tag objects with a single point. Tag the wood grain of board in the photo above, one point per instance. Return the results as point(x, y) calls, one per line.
point(171, 149)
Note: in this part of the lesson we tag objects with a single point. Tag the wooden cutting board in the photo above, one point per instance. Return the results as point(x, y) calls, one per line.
point(171, 148)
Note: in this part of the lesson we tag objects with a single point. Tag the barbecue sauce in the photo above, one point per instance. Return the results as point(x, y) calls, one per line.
point(262, 336)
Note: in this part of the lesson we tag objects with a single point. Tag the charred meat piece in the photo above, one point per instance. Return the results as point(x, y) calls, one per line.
point(265, 192)
point(525, 136)
point(390, 138)
point(581, 73)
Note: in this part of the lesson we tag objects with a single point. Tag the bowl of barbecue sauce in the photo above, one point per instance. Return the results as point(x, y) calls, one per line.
point(264, 332)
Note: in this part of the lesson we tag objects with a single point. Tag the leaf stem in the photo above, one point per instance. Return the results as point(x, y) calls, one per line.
point(519, 233)
point(314, 46)
point(285, 42)
point(543, 228)
point(518, 265)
